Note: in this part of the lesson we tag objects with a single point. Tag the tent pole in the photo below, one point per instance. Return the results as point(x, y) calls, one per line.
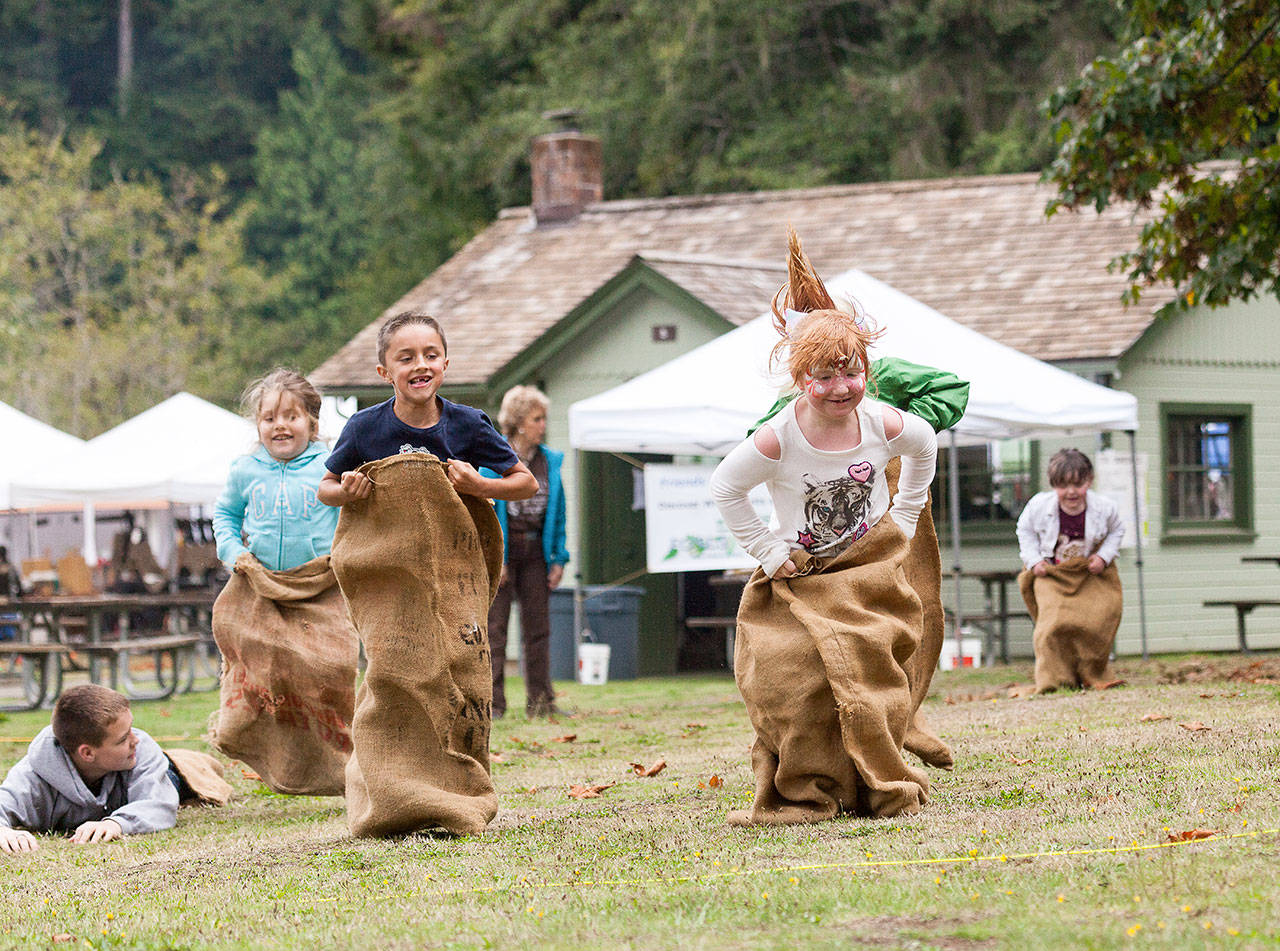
point(89, 549)
point(953, 480)
point(1137, 538)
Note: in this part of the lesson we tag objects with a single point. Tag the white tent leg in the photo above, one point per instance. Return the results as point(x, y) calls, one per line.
point(953, 481)
point(1137, 532)
point(90, 548)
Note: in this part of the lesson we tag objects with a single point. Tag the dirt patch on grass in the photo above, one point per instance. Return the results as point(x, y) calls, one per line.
point(913, 932)
point(1264, 670)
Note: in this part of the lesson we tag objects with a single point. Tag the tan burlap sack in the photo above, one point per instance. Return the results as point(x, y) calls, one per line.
point(1076, 615)
point(923, 566)
point(821, 661)
point(289, 657)
point(203, 773)
point(419, 565)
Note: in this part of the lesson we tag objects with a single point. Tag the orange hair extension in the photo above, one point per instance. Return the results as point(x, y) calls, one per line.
point(828, 336)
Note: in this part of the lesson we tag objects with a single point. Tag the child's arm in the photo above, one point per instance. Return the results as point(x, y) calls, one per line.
point(513, 485)
point(913, 439)
point(26, 800)
point(1110, 547)
point(228, 520)
point(1029, 538)
point(752, 462)
point(338, 490)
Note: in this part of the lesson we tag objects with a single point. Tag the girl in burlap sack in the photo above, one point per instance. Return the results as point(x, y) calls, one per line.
point(288, 648)
point(828, 623)
point(1068, 539)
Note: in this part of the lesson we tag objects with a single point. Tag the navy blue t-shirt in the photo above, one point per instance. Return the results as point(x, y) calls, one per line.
point(463, 433)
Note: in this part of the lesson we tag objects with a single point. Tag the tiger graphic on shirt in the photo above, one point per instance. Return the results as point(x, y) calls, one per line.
point(835, 510)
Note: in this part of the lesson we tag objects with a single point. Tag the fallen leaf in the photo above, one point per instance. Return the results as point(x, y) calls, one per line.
point(1236, 806)
point(715, 782)
point(1083, 729)
point(654, 770)
point(612, 712)
point(579, 791)
point(1020, 762)
point(1190, 835)
point(249, 774)
point(1206, 696)
point(949, 700)
point(1021, 690)
point(1153, 717)
point(567, 738)
point(165, 713)
point(497, 758)
point(1109, 685)
point(1193, 726)
point(63, 938)
point(695, 726)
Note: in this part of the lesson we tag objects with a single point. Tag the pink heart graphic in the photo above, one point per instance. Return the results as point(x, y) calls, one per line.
point(861, 471)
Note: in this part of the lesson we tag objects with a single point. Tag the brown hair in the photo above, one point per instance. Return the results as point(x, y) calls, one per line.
point(282, 380)
point(517, 403)
point(828, 336)
point(406, 318)
point(1069, 467)
point(83, 713)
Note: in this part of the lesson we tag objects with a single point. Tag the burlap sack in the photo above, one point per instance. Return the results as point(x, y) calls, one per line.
point(203, 773)
point(289, 657)
point(821, 661)
point(419, 565)
point(923, 566)
point(1076, 615)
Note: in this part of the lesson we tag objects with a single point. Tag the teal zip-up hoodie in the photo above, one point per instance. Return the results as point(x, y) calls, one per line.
point(553, 528)
point(274, 504)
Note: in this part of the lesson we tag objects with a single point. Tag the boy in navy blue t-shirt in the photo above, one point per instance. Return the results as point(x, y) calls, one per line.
point(412, 357)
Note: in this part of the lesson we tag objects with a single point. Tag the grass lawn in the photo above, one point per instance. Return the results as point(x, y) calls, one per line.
point(1051, 832)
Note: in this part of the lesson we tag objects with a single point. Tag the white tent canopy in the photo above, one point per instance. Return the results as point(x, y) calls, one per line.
point(179, 451)
point(28, 443)
point(703, 402)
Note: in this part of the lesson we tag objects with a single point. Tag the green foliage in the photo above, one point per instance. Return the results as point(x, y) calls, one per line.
point(113, 298)
point(1198, 82)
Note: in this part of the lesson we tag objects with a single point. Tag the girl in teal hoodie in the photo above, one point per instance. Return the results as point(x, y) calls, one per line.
point(269, 506)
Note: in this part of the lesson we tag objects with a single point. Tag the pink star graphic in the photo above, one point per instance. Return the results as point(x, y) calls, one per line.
point(804, 539)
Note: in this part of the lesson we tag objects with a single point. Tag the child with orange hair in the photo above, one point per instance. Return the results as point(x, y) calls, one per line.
point(828, 623)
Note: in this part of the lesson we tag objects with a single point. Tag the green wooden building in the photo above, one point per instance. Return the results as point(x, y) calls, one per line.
point(576, 294)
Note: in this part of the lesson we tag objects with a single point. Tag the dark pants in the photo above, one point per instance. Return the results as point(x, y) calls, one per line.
point(527, 583)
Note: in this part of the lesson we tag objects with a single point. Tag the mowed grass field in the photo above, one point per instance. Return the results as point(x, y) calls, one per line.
point(1053, 831)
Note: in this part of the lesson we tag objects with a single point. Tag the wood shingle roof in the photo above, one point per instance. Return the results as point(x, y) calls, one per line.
point(979, 250)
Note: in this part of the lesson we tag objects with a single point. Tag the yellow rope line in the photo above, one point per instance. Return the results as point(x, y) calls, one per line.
point(523, 883)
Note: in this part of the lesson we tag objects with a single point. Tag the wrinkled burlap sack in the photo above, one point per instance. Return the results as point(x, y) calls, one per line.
point(923, 566)
point(1076, 615)
point(419, 565)
point(822, 663)
point(289, 657)
point(203, 773)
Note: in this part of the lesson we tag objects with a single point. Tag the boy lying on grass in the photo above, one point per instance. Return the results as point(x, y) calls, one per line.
point(89, 773)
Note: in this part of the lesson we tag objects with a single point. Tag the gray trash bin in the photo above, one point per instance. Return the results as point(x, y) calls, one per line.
point(612, 615)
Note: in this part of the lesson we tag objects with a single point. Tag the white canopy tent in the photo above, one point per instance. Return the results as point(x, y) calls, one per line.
point(28, 443)
point(703, 402)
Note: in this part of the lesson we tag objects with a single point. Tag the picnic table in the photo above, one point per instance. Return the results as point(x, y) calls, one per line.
point(994, 619)
point(1246, 606)
point(104, 629)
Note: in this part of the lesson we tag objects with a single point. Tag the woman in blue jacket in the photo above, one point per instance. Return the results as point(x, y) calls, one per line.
point(534, 530)
point(269, 506)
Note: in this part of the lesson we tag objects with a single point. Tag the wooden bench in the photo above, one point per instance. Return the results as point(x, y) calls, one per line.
point(41, 672)
point(1244, 607)
point(179, 647)
point(724, 622)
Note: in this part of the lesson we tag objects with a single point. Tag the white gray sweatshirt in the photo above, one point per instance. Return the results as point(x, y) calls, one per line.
point(44, 792)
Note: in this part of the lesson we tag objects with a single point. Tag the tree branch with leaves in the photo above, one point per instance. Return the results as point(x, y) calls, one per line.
point(1183, 123)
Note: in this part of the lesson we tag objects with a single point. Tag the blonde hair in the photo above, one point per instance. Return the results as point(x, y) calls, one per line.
point(828, 336)
point(282, 380)
point(517, 403)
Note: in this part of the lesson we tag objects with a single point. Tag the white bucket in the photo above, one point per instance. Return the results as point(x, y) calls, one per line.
point(593, 663)
point(970, 653)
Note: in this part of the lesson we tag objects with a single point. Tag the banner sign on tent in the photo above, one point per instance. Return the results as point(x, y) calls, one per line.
point(1113, 477)
point(683, 527)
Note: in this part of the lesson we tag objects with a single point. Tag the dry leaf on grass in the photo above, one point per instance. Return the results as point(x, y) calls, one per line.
point(654, 770)
point(1020, 762)
point(1018, 691)
point(1190, 835)
point(250, 774)
point(715, 782)
point(497, 758)
point(1109, 685)
point(1153, 717)
point(579, 791)
point(567, 738)
point(63, 938)
point(1193, 726)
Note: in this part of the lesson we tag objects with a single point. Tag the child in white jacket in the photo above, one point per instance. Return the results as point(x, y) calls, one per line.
point(1069, 520)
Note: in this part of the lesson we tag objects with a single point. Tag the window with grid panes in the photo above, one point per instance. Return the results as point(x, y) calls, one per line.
point(1206, 468)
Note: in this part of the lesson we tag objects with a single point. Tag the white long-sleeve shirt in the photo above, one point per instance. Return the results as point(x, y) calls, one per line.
point(824, 500)
point(1038, 528)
